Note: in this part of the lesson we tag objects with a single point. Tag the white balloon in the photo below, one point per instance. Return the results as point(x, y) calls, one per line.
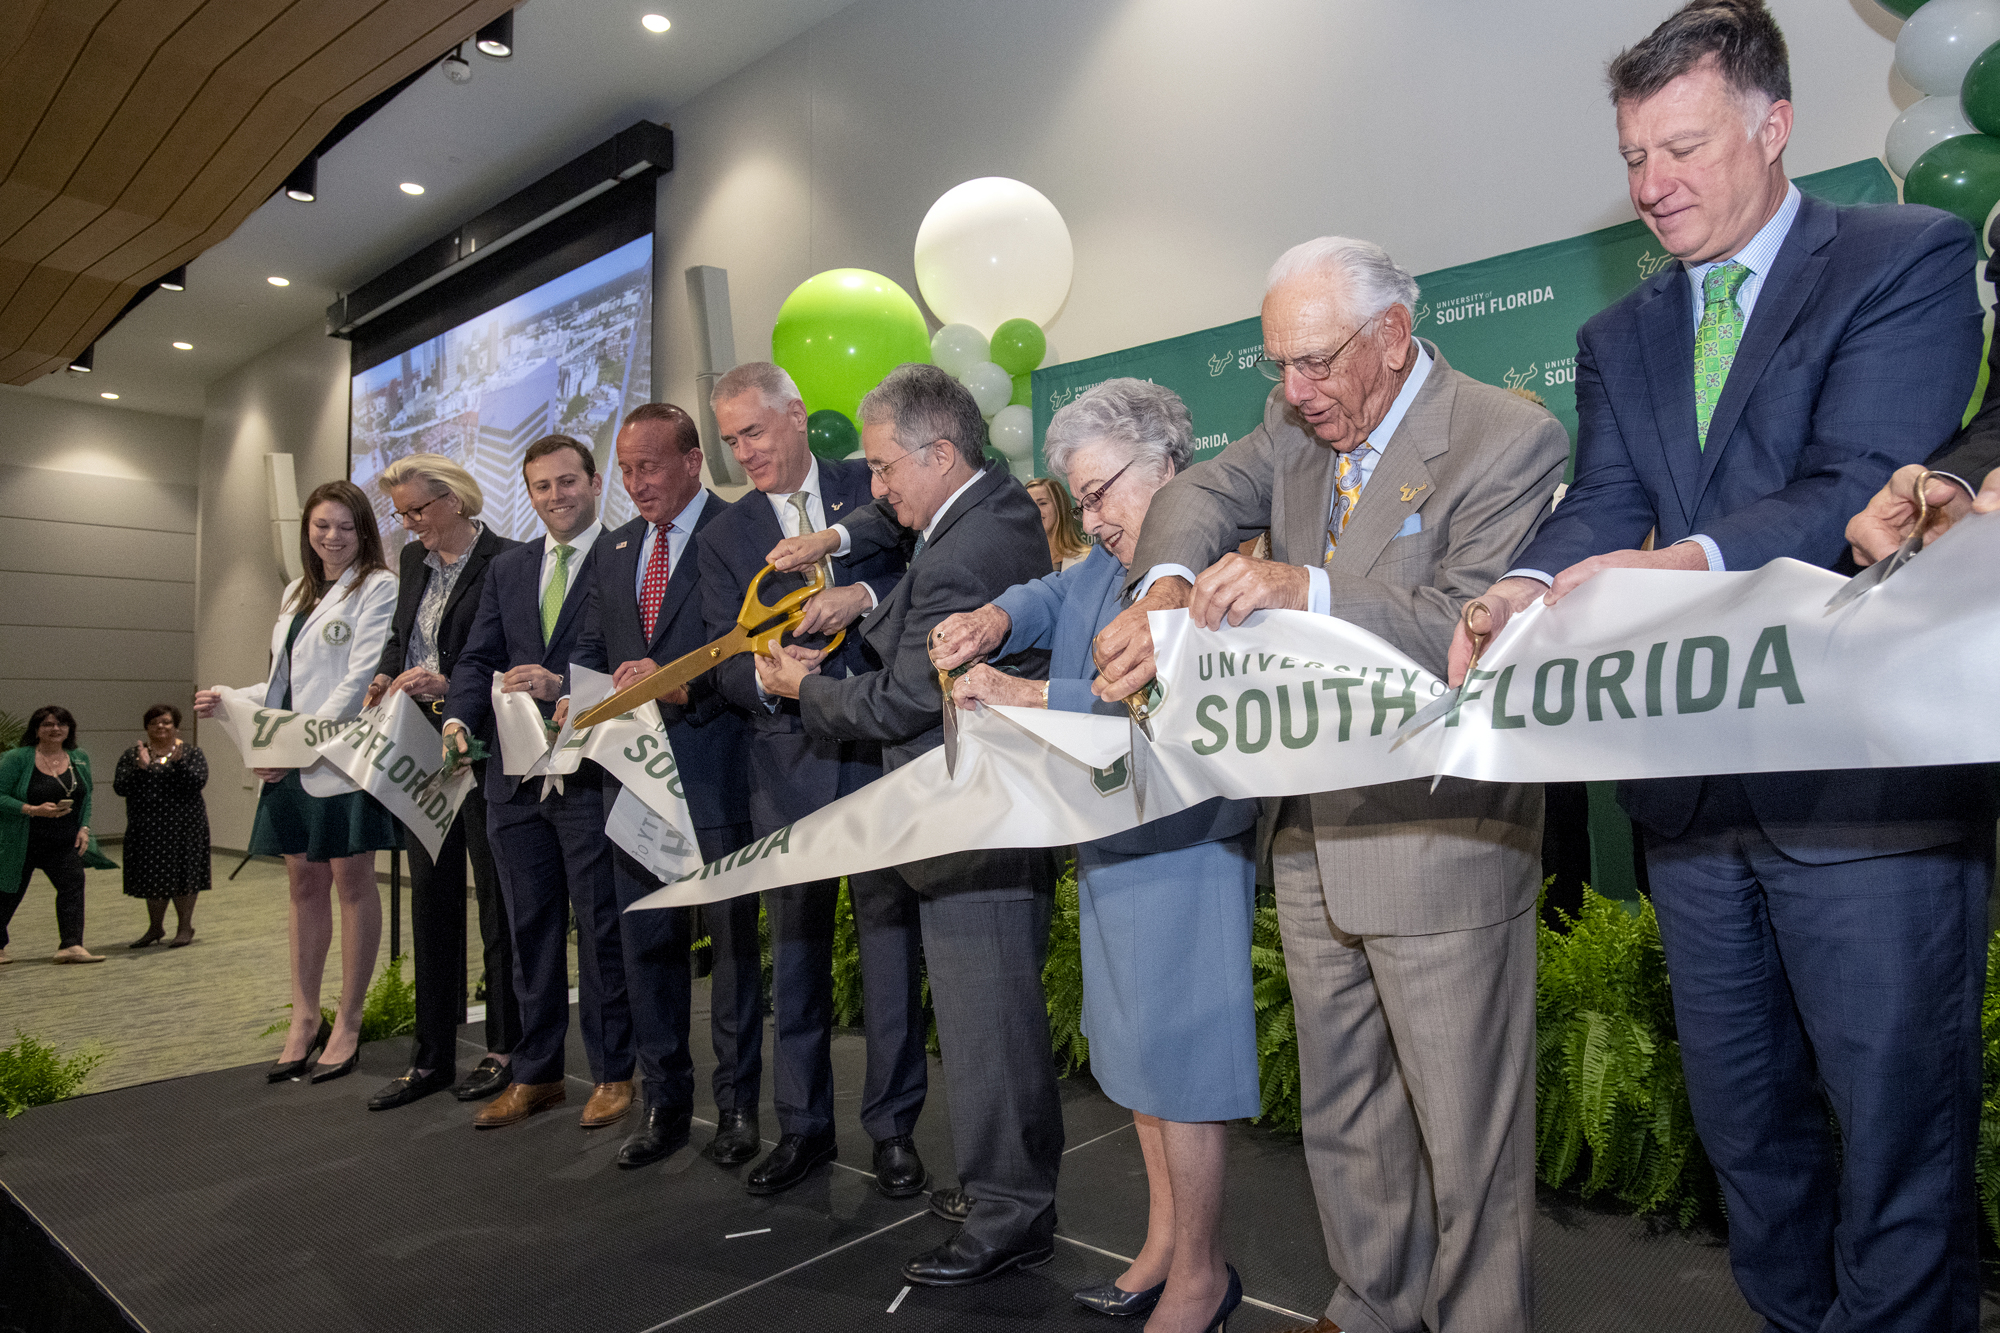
point(991, 386)
point(1940, 41)
point(993, 249)
point(1012, 432)
point(957, 348)
point(1926, 123)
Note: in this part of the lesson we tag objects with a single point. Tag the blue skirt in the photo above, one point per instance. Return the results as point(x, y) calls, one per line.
point(1167, 1001)
point(293, 822)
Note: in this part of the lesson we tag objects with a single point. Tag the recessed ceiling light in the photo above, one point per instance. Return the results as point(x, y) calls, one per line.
point(410, 187)
point(107, 394)
point(656, 23)
point(183, 347)
point(279, 282)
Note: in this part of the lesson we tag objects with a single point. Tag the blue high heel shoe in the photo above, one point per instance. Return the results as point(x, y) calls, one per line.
point(1112, 1299)
point(1230, 1300)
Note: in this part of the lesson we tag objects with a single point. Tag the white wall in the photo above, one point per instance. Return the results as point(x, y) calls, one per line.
point(97, 552)
point(292, 399)
point(1188, 143)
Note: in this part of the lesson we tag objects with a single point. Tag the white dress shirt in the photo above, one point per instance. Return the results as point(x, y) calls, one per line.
point(579, 547)
point(680, 531)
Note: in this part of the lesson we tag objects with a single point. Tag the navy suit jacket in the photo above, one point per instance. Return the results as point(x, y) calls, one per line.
point(508, 633)
point(792, 773)
point(709, 736)
point(1858, 358)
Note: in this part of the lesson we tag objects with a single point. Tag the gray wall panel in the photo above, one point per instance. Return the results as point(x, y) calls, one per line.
point(96, 654)
point(38, 546)
point(79, 497)
point(84, 601)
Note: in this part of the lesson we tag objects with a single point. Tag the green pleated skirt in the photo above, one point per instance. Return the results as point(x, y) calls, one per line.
point(292, 822)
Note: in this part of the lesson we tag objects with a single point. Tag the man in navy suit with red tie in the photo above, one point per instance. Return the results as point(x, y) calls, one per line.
point(645, 611)
point(792, 774)
point(1825, 932)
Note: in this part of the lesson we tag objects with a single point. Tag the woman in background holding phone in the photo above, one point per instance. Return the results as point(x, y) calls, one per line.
point(45, 825)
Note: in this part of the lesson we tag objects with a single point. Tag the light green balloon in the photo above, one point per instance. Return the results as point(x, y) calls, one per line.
point(1018, 346)
point(841, 331)
point(957, 348)
point(1960, 175)
point(1024, 393)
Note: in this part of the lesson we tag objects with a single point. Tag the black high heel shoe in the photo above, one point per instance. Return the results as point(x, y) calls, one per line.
point(328, 1073)
point(283, 1069)
point(1112, 1299)
point(1230, 1300)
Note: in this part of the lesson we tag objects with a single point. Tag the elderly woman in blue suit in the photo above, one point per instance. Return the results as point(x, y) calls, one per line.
point(1166, 908)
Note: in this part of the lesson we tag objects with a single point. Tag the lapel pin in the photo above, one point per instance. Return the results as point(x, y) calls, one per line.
point(1410, 492)
point(622, 545)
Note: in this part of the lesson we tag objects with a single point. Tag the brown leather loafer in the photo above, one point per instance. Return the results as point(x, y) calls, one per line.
point(607, 1105)
point(520, 1101)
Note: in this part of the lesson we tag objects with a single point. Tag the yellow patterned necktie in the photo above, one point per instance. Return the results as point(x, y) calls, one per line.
point(1346, 495)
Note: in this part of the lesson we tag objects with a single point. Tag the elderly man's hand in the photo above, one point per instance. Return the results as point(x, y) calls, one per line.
point(985, 685)
point(419, 684)
point(1681, 555)
point(780, 674)
point(1236, 585)
point(625, 673)
point(1502, 601)
point(1881, 526)
point(803, 552)
point(836, 609)
point(1124, 648)
point(534, 680)
point(969, 634)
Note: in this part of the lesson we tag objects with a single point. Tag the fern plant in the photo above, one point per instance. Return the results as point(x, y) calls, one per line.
point(12, 725)
point(1277, 1034)
point(1986, 1159)
point(1062, 977)
point(389, 1009)
point(33, 1073)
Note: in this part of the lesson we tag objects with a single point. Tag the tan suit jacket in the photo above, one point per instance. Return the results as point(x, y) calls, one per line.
point(1480, 465)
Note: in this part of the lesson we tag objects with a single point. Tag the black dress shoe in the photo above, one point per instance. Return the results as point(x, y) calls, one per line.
point(328, 1073)
point(1110, 1298)
point(487, 1080)
point(953, 1205)
point(899, 1172)
point(737, 1139)
point(961, 1261)
point(409, 1088)
point(790, 1162)
point(280, 1070)
point(662, 1132)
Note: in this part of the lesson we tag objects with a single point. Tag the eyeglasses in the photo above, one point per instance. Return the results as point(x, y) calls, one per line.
point(414, 512)
point(881, 471)
point(1088, 502)
point(1314, 368)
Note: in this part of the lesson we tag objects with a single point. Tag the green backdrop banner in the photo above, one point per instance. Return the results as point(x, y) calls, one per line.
point(1510, 320)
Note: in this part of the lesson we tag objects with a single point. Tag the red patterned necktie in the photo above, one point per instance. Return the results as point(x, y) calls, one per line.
point(654, 590)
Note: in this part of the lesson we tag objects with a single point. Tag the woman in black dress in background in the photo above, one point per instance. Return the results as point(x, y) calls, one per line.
point(166, 825)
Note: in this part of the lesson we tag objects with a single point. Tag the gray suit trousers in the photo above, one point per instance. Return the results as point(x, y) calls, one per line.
point(1417, 1072)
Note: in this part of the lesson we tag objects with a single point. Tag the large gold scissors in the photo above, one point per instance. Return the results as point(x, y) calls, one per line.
point(759, 627)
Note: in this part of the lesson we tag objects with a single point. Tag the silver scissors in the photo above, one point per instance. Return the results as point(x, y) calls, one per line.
point(1912, 545)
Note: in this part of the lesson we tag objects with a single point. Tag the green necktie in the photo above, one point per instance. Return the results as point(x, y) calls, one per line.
point(552, 596)
point(1715, 341)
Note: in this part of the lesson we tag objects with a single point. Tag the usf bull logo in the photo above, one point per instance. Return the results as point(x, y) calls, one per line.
point(1650, 263)
point(266, 722)
point(1519, 380)
point(1110, 781)
point(1218, 363)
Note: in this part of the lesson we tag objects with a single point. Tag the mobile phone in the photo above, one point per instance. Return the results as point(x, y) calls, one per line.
point(66, 805)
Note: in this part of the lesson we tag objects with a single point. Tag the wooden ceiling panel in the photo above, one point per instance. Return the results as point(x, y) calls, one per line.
point(141, 132)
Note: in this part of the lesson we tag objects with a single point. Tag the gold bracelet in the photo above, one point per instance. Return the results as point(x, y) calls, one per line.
point(1045, 694)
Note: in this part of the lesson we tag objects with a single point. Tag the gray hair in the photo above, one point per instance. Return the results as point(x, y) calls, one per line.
point(1373, 280)
point(1748, 47)
point(440, 474)
point(925, 405)
point(1149, 419)
point(770, 382)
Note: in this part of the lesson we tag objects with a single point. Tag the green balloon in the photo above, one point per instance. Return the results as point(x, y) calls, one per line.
point(1961, 176)
point(1018, 346)
point(1902, 9)
point(831, 434)
point(1024, 394)
point(841, 331)
point(1980, 92)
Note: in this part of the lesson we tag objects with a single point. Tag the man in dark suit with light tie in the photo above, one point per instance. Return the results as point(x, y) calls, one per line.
point(1825, 931)
point(985, 915)
point(645, 611)
point(763, 421)
point(551, 849)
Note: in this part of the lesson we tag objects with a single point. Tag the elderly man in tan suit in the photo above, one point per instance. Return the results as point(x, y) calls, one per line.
point(1394, 489)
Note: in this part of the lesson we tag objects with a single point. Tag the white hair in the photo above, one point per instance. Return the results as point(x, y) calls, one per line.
point(770, 382)
point(1148, 419)
point(1373, 280)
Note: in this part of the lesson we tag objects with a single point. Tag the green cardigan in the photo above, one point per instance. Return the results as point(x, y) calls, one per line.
point(17, 768)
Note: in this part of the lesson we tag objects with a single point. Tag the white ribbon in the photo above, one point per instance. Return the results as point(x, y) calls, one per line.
point(1637, 674)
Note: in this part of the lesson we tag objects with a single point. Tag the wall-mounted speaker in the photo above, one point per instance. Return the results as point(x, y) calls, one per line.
point(714, 357)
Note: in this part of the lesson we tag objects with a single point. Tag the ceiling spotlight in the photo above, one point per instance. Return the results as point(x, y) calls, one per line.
point(80, 363)
point(279, 282)
point(496, 39)
point(183, 347)
point(455, 67)
point(410, 187)
point(107, 394)
point(175, 281)
point(303, 183)
point(656, 23)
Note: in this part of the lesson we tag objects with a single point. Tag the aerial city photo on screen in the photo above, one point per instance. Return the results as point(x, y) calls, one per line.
point(572, 356)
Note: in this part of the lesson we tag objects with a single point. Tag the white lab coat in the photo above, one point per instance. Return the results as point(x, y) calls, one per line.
point(333, 659)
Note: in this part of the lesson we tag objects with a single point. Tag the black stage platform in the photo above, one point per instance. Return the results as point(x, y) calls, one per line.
point(216, 1202)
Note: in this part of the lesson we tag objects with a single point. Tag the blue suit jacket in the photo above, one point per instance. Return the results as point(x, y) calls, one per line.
point(792, 773)
point(1858, 358)
point(507, 633)
point(1063, 612)
point(708, 735)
